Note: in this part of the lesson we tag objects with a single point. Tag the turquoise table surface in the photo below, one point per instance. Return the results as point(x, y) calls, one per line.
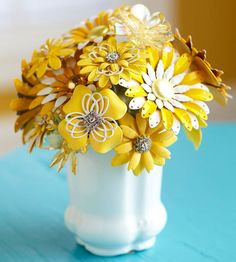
point(199, 192)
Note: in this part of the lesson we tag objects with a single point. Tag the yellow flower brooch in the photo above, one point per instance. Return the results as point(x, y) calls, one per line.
point(121, 81)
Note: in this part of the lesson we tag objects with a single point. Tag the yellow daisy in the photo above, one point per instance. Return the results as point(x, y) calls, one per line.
point(171, 93)
point(212, 76)
point(141, 27)
point(49, 56)
point(91, 119)
point(142, 146)
point(92, 30)
point(110, 61)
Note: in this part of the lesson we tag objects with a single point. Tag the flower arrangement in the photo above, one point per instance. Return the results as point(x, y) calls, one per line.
point(121, 81)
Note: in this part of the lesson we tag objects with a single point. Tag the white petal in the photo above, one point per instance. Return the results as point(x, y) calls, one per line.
point(194, 120)
point(159, 103)
point(177, 104)
point(92, 87)
point(147, 88)
point(60, 100)
point(137, 103)
point(58, 72)
point(98, 39)
point(151, 72)
point(82, 45)
point(168, 106)
point(120, 29)
point(151, 97)
point(48, 98)
point(182, 98)
point(169, 72)
point(147, 79)
point(176, 126)
point(47, 80)
point(200, 86)
point(160, 70)
point(177, 79)
point(45, 91)
point(154, 119)
point(203, 105)
point(181, 88)
point(128, 84)
point(141, 12)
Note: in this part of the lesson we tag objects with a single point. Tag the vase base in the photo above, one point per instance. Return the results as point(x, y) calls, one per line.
point(117, 251)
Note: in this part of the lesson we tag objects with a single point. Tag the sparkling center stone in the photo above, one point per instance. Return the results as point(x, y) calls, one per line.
point(92, 120)
point(112, 57)
point(142, 144)
point(163, 89)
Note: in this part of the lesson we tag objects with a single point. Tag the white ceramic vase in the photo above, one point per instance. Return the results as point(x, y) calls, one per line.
point(111, 211)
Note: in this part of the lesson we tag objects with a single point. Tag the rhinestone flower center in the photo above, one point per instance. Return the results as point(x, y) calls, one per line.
point(112, 57)
point(142, 144)
point(92, 120)
point(163, 89)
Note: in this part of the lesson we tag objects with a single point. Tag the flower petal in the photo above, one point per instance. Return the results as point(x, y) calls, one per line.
point(168, 106)
point(167, 118)
point(128, 120)
point(192, 78)
point(129, 132)
point(135, 91)
point(177, 104)
point(160, 150)
point(184, 117)
point(117, 108)
point(196, 109)
point(148, 108)
point(181, 88)
point(169, 72)
point(147, 88)
point(147, 161)
point(75, 103)
point(176, 126)
point(154, 119)
point(109, 143)
point(141, 12)
point(73, 143)
point(183, 63)
point(134, 161)
point(182, 98)
point(151, 72)
point(121, 159)
point(54, 62)
point(195, 135)
point(160, 70)
point(203, 105)
point(137, 103)
point(141, 124)
point(194, 120)
point(199, 94)
point(177, 79)
point(124, 148)
point(147, 79)
point(166, 138)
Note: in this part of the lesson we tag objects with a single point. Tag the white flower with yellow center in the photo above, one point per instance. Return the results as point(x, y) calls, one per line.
point(171, 93)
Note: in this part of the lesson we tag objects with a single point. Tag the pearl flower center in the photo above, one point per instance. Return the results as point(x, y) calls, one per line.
point(163, 89)
point(142, 144)
point(112, 57)
point(92, 120)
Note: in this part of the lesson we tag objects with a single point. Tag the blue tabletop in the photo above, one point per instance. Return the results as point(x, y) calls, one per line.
point(199, 192)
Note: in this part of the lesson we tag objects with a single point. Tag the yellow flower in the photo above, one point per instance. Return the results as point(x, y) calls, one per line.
point(91, 118)
point(110, 61)
point(212, 76)
point(171, 93)
point(142, 146)
point(50, 55)
point(92, 31)
point(141, 27)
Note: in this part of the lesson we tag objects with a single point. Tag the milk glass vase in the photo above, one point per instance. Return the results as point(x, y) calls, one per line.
point(111, 211)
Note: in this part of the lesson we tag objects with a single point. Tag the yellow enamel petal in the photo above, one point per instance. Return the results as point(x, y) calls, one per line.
point(160, 161)
point(148, 108)
point(138, 170)
point(147, 161)
point(184, 117)
point(47, 108)
point(128, 120)
point(73, 143)
point(196, 109)
point(124, 148)
point(115, 79)
point(54, 62)
point(193, 78)
point(121, 159)
point(20, 104)
point(183, 63)
point(153, 56)
point(129, 132)
point(135, 91)
point(36, 102)
point(160, 150)
point(108, 144)
point(219, 95)
point(117, 108)
point(167, 118)
point(166, 138)
point(134, 161)
point(199, 94)
point(88, 69)
point(103, 80)
point(41, 69)
point(167, 57)
point(75, 103)
point(142, 124)
point(137, 77)
point(195, 135)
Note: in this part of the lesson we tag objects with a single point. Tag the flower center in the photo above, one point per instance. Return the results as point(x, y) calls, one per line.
point(92, 120)
point(142, 144)
point(112, 57)
point(73, 82)
point(163, 89)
